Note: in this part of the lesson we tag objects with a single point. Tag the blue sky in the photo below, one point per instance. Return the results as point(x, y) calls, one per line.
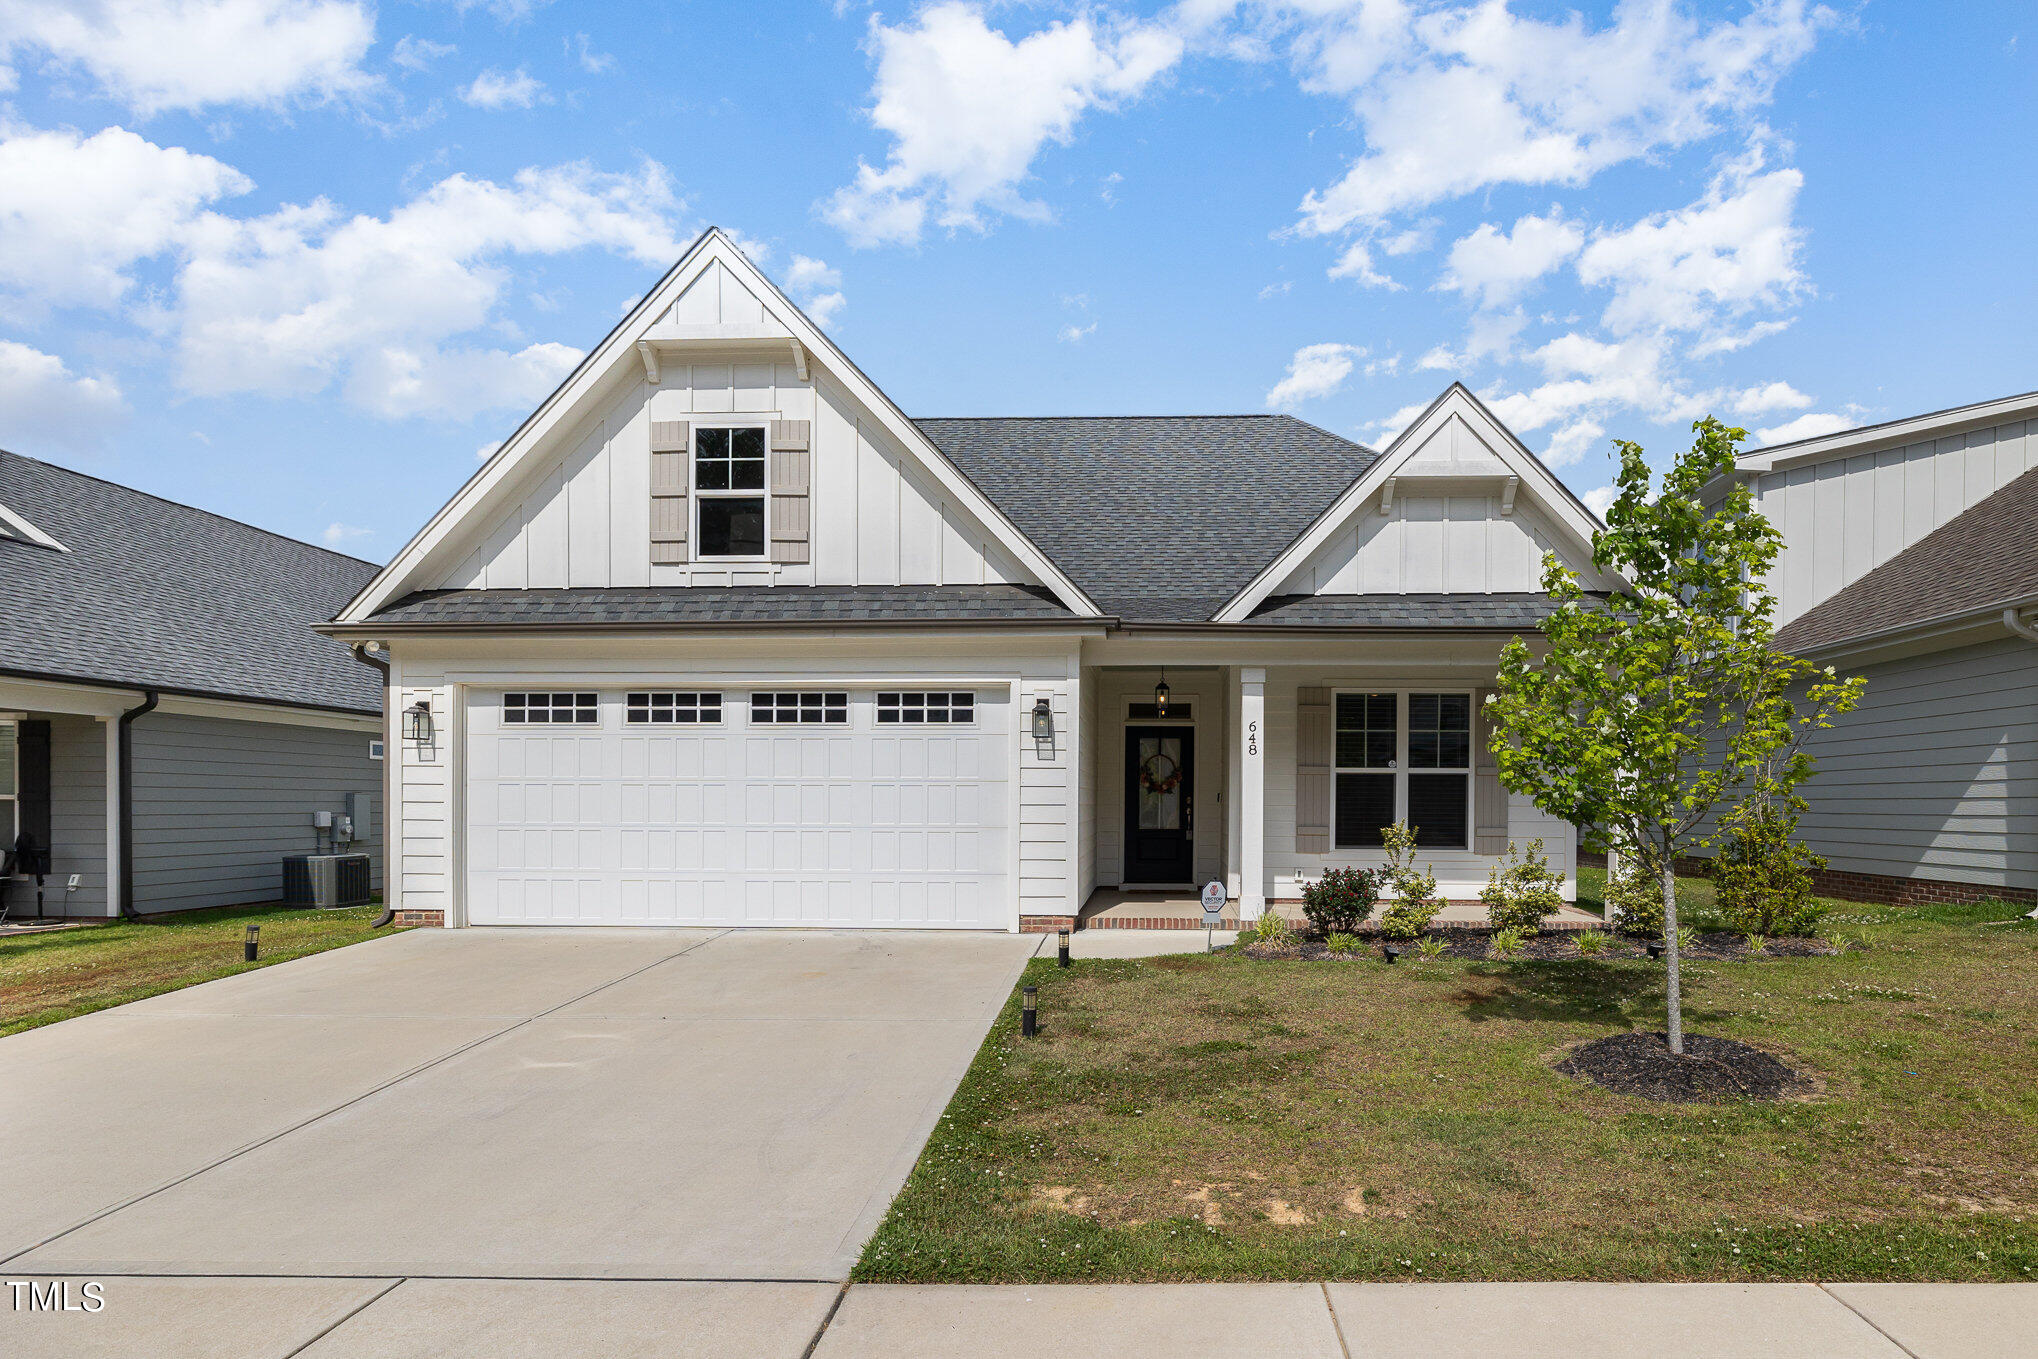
point(298, 261)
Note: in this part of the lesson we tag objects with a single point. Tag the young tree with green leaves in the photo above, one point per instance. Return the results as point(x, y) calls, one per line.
point(1652, 716)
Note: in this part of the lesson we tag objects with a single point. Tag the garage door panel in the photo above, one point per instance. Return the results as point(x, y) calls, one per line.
point(850, 825)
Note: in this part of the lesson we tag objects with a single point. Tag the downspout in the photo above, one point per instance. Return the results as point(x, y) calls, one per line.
point(2014, 621)
point(126, 755)
point(359, 651)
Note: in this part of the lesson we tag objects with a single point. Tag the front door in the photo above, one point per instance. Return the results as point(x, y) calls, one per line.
point(1160, 804)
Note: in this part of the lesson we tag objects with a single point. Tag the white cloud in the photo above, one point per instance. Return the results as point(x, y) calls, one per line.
point(1075, 334)
point(1728, 341)
point(413, 53)
point(1771, 396)
point(1273, 290)
point(153, 55)
point(817, 288)
point(496, 90)
point(1456, 98)
point(294, 301)
point(1571, 442)
point(591, 61)
point(44, 404)
point(1601, 499)
point(487, 450)
point(1734, 250)
point(1357, 263)
point(1807, 426)
point(969, 109)
point(337, 533)
point(1494, 267)
point(79, 212)
point(1316, 371)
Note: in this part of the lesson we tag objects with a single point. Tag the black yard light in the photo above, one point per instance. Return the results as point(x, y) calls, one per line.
point(252, 948)
point(1391, 952)
point(1656, 947)
point(1063, 958)
point(1029, 1012)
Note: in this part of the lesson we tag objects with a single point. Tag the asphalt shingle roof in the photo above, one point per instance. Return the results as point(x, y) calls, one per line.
point(160, 595)
point(1160, 519)
point(1981, 558)
point(654, 605)
point(1514, 612)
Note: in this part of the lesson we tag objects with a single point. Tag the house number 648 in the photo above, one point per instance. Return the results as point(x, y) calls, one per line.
point(1252, 738)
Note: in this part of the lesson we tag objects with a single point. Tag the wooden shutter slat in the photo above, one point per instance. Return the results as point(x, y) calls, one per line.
point(1489, 796)
point(792, 475)
point(791, 434)
point(1314, 745)
point(671, 511)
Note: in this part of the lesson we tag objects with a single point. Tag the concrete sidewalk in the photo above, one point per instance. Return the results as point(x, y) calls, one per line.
point(241, 1318)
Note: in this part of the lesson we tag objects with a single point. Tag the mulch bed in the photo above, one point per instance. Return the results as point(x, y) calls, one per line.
point(1716, 946)
point(1711, 1069)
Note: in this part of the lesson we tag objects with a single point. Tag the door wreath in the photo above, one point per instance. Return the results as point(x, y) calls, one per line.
point(1160, 773)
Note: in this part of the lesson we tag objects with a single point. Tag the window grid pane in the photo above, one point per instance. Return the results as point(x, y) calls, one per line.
point(550, 709)
point(1439, 809)
point(1439, 731)
point(662, 707)
point(899, 707)
point(1366, 731)
point(792, 707)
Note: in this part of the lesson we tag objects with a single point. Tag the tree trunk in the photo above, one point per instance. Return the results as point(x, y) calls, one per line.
point(1672, 984)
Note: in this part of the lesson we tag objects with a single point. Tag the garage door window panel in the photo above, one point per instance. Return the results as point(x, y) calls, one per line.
point(535, 709)
point(729, 493)
point(659, 708)
point(799, 708)
point(939, 708)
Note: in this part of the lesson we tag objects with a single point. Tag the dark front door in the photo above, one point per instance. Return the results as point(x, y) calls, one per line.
point(1160, 804)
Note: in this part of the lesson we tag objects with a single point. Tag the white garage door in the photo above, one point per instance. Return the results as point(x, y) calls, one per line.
point(847, 807)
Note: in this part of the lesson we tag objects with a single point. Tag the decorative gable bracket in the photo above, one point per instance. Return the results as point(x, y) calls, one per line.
point(654, 351)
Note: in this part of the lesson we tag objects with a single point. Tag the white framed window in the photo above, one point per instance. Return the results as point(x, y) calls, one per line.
point(939, 708)
point(787, 708)
point(576, 708)
point(375, 747)
point(729, 499)
point(1403, 755)
point(663, 708)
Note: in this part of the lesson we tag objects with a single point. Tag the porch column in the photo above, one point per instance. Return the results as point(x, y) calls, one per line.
point(1252, 793)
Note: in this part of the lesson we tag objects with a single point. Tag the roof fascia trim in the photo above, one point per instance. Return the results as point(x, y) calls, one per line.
point(1456, 399)
point(1891, 433)
point(25, 530)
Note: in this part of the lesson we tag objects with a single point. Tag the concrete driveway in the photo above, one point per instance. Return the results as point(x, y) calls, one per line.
point(496, 1104)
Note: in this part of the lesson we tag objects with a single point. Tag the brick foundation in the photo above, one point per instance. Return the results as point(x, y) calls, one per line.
point(1884, 889)
point(1045, 924)
point(433, 918)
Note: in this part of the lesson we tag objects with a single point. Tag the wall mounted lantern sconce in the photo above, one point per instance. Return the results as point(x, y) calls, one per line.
point(1160, 696)
point(1042, 720)
point(417, 723)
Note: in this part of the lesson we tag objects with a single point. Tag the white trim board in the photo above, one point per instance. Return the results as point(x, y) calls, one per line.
point(618, 354)
point(1567, 514)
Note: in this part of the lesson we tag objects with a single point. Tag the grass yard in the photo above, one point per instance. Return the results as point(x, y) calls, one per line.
point(53, 976)
point(1218, 1117)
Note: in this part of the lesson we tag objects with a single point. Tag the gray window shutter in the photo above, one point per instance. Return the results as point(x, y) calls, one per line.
point(670, 511)
point(792, 474)
point(1489, 798)
point(1313, 747)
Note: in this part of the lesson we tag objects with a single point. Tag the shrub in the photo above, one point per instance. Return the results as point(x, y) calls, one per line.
point(1270, 928)
point(1762, 878)
point(1341, 900)
point(1431, 947)
point(1523, 890)
point(1757, 943)
point(1591, 943)
point(1506, 943)
point(1415, 903)
point(1687, 938)
point(1634, 897)
point(1342, 942)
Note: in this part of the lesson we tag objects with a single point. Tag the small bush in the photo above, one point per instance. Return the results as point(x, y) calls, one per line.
point(1415, 903)
point(1634, 898)
point(1341, 942)
point(1762, 878)
point(1757, 944)
point(1687, 938)
point(1506, 943)
point(1431, 947)
point(1523, 890)
point(1591, 943)
point(1270, 928)
point(1341, 900)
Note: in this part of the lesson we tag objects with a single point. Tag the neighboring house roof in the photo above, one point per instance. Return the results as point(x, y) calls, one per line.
point(1160, 519)
point(1980, 559)
point(147, 593)
point(1507, 612)
point(725, 604)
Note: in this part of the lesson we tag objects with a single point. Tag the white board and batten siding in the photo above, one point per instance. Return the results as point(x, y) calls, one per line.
point(1035, 784)
point(1432, 544)
point(1935, 774)
point(1461, 874)
point(1844, 516)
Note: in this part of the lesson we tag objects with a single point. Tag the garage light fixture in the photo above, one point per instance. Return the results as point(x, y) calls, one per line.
point(1043, 720)
point(417, 723)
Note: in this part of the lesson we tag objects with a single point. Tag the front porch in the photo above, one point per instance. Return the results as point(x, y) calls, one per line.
point(1115, 908)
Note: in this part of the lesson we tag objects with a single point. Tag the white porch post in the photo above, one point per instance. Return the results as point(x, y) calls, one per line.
point(1252, 793)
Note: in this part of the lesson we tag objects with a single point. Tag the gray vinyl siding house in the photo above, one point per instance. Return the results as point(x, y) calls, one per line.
point(241, 721)
point(1909, 560)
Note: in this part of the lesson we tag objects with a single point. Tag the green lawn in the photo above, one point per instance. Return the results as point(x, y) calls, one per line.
point(1224, 1118)
point(53, 976)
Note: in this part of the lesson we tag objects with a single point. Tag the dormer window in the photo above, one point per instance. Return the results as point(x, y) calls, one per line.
point(728, 469)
